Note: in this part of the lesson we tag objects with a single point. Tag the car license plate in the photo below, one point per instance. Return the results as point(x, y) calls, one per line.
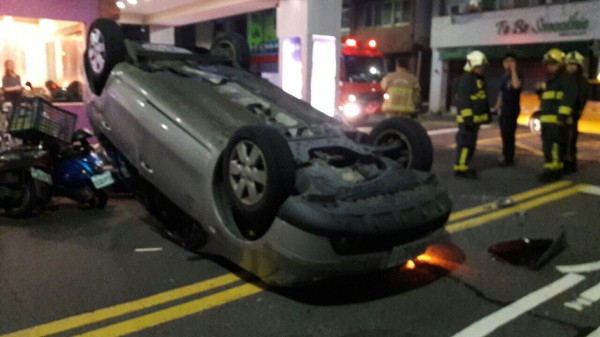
point(401, 254)
point(103, 180)
point(40, 175)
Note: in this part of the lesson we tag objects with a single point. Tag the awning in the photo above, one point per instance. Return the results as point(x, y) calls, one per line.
point(528, 51)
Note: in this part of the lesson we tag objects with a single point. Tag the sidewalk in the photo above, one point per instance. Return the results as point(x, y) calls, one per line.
point(434, 121)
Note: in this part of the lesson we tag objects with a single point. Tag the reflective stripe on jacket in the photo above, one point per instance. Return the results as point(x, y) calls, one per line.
point(559, 99)
point(472, 99)
point(403, 92)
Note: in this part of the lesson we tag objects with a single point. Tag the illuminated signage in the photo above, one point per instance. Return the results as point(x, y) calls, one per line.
point(574, 25)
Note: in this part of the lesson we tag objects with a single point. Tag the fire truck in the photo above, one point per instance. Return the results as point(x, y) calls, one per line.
point(360, 96)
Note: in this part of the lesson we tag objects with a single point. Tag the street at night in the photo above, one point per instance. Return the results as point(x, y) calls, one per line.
point(73, 271)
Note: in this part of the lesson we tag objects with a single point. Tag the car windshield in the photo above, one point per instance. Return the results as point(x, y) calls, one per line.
point(364, 68)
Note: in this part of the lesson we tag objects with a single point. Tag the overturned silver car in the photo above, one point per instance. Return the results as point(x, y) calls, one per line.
point(232, 165)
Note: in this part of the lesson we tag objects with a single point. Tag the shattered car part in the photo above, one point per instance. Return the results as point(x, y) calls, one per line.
point(531, 253)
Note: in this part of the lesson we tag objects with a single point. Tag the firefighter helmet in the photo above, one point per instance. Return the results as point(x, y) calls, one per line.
point(554, 55)
point(575, 58)
point(475, 59)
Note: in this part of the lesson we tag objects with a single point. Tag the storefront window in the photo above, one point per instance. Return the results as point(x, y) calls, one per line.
point(401, 11)
point(47, 56)
point(382, 13)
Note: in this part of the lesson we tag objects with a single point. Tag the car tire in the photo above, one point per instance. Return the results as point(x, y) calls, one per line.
point(259, 173)
point(535, 125)
point(415, 151)
point(105, 48)
point(235, 47)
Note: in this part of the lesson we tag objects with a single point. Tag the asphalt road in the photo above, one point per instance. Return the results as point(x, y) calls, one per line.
point(74, 271)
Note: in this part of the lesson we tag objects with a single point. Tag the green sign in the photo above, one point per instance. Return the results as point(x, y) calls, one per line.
point(261, 28)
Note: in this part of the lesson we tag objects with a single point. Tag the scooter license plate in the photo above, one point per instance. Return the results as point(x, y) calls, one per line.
point(103, 180)
point(40, 175)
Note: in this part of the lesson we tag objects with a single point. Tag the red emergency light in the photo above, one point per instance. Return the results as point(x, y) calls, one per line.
point(372, 44)
point(351, 43)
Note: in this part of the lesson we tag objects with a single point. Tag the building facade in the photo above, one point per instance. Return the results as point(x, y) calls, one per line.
point(400, 27)
point(527, 28)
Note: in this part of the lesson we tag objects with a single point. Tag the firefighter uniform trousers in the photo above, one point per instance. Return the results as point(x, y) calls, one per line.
point(553, 144)
point(466, 143)
point(573, 132)
point(474, 110)
point(558, 101)
point(571, 143)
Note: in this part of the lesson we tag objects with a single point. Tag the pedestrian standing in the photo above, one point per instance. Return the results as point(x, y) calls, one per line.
point(508, 105)
point(559, 97)
point(575, 65)
point(402, 93)
point(473, 110)
point(11, 82)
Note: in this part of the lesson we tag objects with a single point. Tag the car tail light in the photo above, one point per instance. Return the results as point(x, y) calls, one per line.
point(351, 43)
point(372, 44)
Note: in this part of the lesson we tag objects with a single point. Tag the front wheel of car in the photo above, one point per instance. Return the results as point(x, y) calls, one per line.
point(535, 124)
point(105, 49)
point(406, 140)
point(259, 172)
point(234, 47)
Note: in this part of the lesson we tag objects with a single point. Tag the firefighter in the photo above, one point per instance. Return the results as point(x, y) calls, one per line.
point(402, 93)
point(473, 110)
point(559, 98)
point(575, 65)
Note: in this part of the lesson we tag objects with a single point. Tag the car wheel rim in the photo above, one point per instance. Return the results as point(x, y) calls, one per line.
point(97, 51)
point(403, 155)
point(248, 173)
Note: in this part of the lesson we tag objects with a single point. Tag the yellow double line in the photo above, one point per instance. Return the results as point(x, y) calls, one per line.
point(466, 219)
point(152, 319)
point(459, 221)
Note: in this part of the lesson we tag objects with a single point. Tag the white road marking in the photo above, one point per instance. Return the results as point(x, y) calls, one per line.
point(595, 333)
point(591, 189)
point(442, 131)
point(493, 321)
point(146, 250)
point(580, 268)
point(451, 130)
point(585, 299)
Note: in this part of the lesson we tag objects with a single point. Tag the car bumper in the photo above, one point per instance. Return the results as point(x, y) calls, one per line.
point(289, 256)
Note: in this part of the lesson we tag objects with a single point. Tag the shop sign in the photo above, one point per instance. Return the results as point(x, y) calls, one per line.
point(574, 25)
point(262, 32)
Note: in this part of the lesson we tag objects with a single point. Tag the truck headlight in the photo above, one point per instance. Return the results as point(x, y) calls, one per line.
point(351, 110)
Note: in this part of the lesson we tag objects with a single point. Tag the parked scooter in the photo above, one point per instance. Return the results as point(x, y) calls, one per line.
point(78, 172)
point(25, 181)
point(73, 168)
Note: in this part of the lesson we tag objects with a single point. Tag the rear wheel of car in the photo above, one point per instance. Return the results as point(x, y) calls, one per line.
point(535, 125)
point(105, 49)
point(413, 148)
point(259, 172)
point(233, 46)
